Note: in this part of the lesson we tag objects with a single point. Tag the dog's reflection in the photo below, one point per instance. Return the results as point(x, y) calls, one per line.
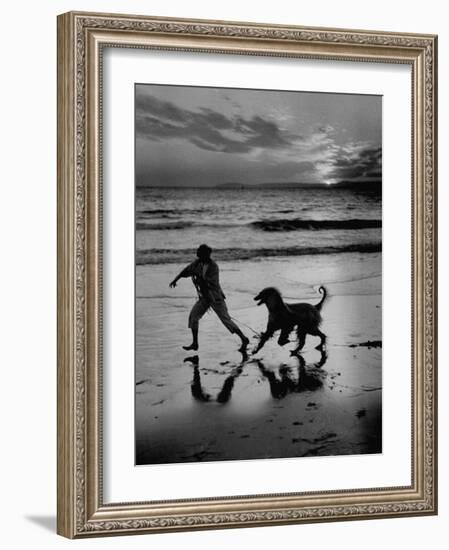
point(309, 377)
point(292, 379)
point(224, 395)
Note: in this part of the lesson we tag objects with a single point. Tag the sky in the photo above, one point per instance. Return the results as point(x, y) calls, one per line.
point(199, 136)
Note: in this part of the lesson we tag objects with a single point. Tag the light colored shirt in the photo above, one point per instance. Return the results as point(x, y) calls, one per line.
point(206, 279)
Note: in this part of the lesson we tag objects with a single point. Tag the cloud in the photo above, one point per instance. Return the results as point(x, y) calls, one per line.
point(267, 147)
point(335, 160)
point(158, 120)
point(357, 162)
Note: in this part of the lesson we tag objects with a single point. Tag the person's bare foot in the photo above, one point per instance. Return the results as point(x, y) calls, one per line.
point(193, 347)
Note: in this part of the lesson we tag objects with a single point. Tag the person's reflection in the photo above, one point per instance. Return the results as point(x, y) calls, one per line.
point(224, 395)
point(197, 390)
point(309, 377)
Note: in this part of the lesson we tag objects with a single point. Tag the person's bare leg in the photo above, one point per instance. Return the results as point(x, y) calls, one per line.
point(222, 312)
point(194, 344)
point(198, 310)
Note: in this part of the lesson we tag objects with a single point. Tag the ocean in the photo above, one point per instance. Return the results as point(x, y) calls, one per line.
point(255, 223)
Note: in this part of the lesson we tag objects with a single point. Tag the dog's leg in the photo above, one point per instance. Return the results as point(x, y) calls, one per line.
point(283, 337)
point(321, 345)
point(301, 340)
point(322, 360)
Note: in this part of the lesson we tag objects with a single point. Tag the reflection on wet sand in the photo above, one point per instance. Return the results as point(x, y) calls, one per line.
point(225, 393)
point(292, 379)
point(268, 407)
point(308, 377)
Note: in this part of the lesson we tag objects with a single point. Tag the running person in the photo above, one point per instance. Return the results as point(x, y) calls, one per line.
point(205, 276)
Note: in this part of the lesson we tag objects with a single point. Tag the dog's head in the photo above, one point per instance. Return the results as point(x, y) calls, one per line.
point(270, 296)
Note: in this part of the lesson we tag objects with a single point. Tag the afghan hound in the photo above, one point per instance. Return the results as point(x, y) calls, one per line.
point(285, 317)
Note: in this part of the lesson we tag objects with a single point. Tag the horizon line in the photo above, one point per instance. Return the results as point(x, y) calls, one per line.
point(233, 186)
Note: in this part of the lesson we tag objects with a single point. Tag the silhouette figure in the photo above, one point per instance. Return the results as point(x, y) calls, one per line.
point(204, 272)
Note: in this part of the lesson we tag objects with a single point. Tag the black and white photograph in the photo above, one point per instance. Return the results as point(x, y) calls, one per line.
point(258, 274)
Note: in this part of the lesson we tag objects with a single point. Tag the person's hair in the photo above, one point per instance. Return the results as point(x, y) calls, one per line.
point(204, 251)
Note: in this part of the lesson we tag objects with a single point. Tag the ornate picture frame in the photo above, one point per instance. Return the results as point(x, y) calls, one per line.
point(82, 39)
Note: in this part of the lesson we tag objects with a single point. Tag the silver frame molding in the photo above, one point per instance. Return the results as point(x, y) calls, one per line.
point(81, 38)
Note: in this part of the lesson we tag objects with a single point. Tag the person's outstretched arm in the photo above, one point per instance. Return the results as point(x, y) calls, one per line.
point(186, 272)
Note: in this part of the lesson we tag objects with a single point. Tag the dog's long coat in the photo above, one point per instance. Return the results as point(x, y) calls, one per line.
point(285, 317)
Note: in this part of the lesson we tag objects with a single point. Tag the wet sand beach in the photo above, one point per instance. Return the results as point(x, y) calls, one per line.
point(217, 404)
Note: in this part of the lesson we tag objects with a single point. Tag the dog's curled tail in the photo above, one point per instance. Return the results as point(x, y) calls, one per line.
point(322, 291)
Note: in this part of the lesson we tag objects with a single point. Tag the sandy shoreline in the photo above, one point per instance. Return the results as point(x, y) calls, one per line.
point(222, 406)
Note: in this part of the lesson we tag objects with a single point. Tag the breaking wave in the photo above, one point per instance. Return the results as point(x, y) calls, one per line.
point(170, 256)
